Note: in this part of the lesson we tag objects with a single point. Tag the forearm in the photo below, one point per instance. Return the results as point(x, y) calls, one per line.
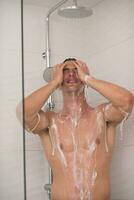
point(35, 101)
point(117, 95)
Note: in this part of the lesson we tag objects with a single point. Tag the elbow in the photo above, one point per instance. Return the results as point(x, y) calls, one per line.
point(129, 102)
point(129, 98)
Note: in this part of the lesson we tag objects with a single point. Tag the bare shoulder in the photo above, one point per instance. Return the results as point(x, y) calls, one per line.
point(102, 108)
point(50, 115)
point(45, 117)
point(98, 108)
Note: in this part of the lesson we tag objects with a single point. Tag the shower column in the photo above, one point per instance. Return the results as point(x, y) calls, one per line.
point(46, 55)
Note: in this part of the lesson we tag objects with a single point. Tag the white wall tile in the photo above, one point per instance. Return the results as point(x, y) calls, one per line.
point(115, 65)
point(122, 173)
point(128, 133)
point(11, 85)
point(111, 23)
point(33, 142)
point(11, 175)
point(37, 175)
point(10, 22)
point(34, 28)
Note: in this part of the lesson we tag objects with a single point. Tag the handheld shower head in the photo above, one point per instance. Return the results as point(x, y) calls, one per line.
point(47, 75)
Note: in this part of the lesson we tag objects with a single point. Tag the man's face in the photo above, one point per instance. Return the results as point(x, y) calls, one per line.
point(71, 79)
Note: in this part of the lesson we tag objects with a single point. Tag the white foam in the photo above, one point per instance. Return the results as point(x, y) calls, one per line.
point(56, 143)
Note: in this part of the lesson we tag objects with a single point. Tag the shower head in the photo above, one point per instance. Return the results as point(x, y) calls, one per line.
point(47, 75)
point(75, 11)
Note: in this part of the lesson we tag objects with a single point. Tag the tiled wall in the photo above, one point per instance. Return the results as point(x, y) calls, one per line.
point(104, 41)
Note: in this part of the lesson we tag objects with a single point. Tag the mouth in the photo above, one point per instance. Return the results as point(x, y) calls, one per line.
point(71, 81)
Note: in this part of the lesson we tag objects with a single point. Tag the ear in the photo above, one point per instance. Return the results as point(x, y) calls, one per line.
point(60, 87)
point(86, 69)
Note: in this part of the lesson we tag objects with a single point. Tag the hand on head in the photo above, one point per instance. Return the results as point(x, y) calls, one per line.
point(58, 73)
point(81, 67)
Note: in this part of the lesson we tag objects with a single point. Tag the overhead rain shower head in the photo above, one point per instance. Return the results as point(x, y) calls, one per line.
point(75, 11)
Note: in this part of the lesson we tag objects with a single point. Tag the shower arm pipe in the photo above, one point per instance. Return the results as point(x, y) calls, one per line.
point(47, 54)
point(75, 2)
point(54, 8)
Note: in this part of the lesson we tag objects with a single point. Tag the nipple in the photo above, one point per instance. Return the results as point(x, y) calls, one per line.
point(97, 141)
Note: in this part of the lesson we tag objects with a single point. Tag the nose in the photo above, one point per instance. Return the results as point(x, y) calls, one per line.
point(72, 72)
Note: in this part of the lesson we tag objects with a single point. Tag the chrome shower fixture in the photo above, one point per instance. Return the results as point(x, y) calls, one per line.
point(75, 11)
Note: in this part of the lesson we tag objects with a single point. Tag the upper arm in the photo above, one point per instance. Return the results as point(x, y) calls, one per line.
point(38, 122)
point(115, 114)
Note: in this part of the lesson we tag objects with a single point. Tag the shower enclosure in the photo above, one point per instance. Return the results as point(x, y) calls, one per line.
point(59, 29)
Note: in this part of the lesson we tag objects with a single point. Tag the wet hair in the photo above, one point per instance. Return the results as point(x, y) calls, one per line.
point(69, 59)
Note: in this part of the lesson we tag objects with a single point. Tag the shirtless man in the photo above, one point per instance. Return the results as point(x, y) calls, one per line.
point(78, 141)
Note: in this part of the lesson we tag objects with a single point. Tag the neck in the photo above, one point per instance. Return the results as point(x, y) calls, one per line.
point(74, 102)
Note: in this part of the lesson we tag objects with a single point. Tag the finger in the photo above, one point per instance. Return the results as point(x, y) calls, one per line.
point(75, 63)
point(55, 68)
point(81, 62)
point(63, 65)
point(84, 66)
point(58, 66)
point(79, 65)
point(86, 69)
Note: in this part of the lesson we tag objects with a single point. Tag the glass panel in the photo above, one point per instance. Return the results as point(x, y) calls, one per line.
point(11, 135)
point(34, 44)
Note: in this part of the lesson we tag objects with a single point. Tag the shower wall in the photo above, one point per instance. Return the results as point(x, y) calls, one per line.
point(110, 39)
point(104, 41)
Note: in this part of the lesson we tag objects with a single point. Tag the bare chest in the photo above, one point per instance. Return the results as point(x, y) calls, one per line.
point(83, 134)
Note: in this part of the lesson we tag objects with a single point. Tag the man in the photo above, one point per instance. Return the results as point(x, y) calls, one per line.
point(79, 140)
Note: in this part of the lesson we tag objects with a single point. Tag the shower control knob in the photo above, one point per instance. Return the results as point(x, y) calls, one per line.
point(44, 55)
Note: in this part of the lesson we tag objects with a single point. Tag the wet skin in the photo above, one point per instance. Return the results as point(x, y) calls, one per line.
point(79, 140)
point(78, 128)
point(64, 184)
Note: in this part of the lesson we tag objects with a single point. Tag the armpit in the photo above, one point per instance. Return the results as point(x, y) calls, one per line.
point(114, 113)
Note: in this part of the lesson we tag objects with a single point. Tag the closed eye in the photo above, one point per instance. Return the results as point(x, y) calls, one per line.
point(67, 69)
